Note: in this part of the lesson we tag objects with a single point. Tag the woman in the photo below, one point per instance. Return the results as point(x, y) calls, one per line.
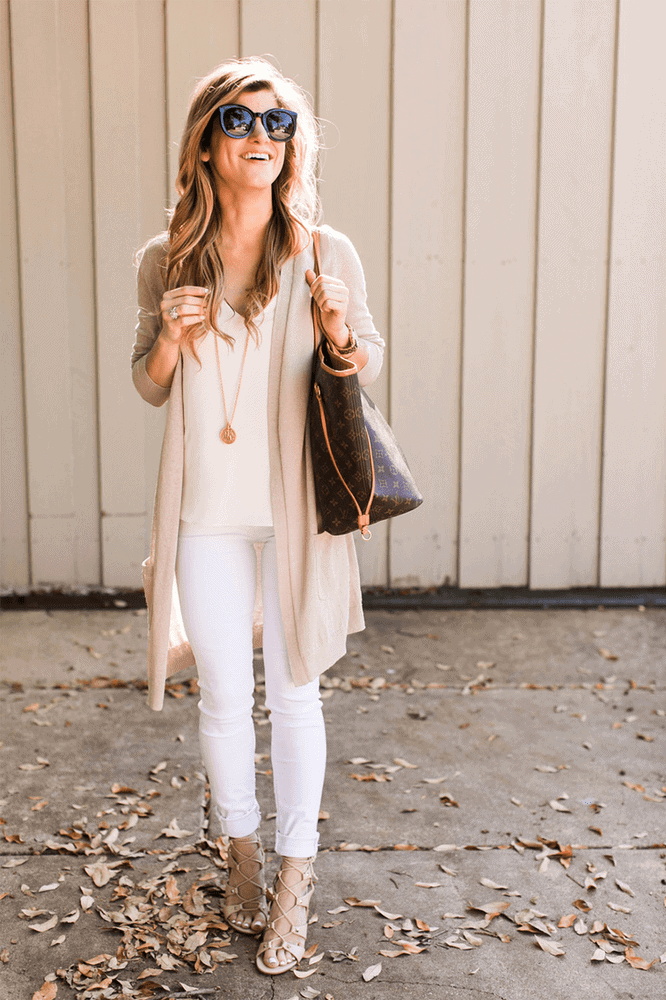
point(236, 560)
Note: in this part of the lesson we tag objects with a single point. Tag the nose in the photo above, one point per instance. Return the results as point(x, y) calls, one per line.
point(258, 129)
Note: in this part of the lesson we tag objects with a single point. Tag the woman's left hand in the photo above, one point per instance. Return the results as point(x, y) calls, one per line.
point(332, 297)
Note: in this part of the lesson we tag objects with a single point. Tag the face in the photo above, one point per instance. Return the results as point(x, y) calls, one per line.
point(230, 159)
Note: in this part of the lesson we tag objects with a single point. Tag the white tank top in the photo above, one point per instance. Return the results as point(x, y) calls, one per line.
point(227, 484)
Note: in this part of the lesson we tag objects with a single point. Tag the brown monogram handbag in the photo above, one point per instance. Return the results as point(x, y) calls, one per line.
point(360, 473)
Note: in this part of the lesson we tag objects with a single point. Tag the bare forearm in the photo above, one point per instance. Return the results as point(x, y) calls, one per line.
point(161, 361)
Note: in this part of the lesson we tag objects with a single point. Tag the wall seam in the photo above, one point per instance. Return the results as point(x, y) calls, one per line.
point(19, 271)
point(167, 137)
point(95, 303)
point(463, 257)
point(535, 286)
point(609, 248)
point(389, 257)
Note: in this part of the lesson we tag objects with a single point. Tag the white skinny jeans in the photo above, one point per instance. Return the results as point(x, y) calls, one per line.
point(216, 576)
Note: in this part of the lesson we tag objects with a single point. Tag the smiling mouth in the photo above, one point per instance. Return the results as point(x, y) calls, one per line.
point(258, 157)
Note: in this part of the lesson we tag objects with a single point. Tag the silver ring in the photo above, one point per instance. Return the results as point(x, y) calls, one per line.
point(173, 312)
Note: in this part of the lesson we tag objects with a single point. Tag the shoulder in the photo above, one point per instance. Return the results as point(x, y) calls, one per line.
point(152, 256)
point(337, 241)
point(338, 249)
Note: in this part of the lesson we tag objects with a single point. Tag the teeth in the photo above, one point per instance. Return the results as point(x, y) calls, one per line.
point(256, 156)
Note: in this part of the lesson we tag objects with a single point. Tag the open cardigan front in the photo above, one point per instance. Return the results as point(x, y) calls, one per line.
point(319, 586)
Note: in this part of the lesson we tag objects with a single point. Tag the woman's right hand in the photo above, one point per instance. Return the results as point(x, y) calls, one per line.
point(188, 301)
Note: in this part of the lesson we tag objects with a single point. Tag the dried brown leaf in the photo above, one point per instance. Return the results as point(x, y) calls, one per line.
point(497, 906)
point(47, 991)
point(551, 947)
point(372, 972)
point(636, 962)
point(47, 925)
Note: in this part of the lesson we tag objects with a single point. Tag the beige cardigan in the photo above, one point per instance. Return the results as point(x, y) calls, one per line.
point(318, 578)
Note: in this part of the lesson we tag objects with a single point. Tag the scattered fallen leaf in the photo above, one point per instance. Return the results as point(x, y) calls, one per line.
point(550, 946)
point(446, 800)
point(353, 901)
point(371, 972)
point(492, 885)
point(635, 961)
point(48, 925)
point(618, 908)
point(47, 991)
point(607, 655)
point(173, 830)
point(624, 887)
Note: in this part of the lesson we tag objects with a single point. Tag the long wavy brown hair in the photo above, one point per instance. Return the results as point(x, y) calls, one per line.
point(196, 221)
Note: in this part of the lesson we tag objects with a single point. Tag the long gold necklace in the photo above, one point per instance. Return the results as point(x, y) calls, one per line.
point(228, 434)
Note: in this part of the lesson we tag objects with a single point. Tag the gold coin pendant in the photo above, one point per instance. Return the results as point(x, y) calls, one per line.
point(228, 434)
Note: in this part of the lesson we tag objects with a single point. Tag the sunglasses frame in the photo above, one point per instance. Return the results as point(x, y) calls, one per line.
point(257, 114)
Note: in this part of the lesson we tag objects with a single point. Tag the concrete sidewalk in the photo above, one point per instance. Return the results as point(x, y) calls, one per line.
point(495, 792)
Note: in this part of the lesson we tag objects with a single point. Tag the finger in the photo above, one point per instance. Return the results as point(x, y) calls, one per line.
point(331, 303)
point(187, 290)
point(310, 276)
point(183, 308)
point(182, 312)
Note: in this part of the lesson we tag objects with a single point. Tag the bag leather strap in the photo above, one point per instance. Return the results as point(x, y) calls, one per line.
point(363, 516)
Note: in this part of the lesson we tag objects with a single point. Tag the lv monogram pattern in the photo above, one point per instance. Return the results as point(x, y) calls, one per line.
point(348, 413)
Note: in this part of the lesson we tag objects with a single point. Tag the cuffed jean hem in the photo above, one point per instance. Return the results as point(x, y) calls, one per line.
point(296, 847)
point(241, 826)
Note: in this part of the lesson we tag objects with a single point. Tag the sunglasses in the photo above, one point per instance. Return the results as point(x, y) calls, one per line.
point(238, 122)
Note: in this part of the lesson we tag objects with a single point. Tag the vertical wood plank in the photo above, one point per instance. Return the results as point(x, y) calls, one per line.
point(498, 292)
point(355, 173)
point(127, 72)
point(15, 564)
point(577, 94)
point(283, 32)
point(53, 190)
point(633, 552)
point(200, 34)
point(426, 270)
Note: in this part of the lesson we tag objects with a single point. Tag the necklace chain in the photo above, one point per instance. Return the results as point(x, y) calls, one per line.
point(228, 434)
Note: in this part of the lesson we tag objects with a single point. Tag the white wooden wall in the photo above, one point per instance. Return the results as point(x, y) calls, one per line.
point(499, 165)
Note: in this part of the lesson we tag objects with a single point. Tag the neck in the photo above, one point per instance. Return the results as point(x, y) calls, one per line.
point(245, 216)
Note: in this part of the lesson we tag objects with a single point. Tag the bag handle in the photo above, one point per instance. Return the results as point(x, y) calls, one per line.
point(314, 308)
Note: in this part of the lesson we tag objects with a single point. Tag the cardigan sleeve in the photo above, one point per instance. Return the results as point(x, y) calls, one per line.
point(150, 288)
point(341, 260)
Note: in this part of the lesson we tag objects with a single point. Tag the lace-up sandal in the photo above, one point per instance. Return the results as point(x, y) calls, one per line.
point(245, 893)
point(288, 922)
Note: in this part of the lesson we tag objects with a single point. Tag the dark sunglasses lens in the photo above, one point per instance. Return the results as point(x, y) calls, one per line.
point(281, 124)
point(236, 122)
